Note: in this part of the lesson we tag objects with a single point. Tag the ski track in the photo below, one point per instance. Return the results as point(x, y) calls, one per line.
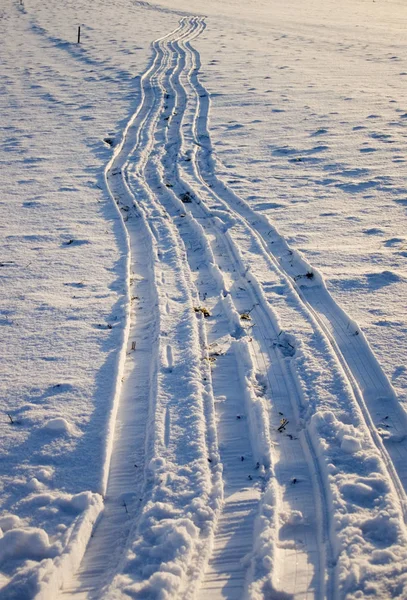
point(196, 246)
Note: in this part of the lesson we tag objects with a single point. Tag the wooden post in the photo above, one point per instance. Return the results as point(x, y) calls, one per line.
point(79, 34)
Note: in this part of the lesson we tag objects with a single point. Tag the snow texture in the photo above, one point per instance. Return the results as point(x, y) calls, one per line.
point(202, 306)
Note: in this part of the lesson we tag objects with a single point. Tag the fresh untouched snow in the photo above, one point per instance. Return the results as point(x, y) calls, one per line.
point(204, 336)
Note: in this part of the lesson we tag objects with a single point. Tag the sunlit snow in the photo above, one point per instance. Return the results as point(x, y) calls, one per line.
point(204, 363)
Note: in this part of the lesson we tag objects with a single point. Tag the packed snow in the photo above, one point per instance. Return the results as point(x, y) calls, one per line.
point(204, 363)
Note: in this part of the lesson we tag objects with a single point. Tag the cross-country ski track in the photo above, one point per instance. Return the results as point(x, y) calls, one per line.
point(247, 393)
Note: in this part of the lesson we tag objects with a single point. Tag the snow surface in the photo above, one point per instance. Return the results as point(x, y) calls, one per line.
point(203, 299)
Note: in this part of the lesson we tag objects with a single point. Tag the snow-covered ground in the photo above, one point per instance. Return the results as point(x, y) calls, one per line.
point(204, 359)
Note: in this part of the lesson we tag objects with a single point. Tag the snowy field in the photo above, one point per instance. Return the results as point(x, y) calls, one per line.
point(204, 338)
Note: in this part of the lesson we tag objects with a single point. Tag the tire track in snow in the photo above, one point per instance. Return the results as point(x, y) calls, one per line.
point(371, 389)
point(188, 421)
point(243, 512)
point(157, 218)
point(138, 411)
point(300, 571)
point(92, 575)
point(226, 576)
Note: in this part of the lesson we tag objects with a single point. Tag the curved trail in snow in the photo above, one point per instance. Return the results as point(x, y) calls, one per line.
point(217, 422)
